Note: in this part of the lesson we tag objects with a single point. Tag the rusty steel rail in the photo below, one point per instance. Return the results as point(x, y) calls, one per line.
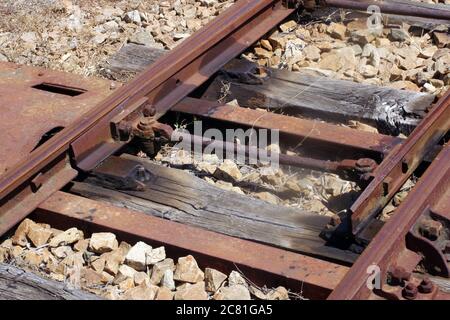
point(400, 164)
point(400, 7)
point(416, 237)
point(303, 131)
point(162, 85)
point(401, 244)
point(265, 265)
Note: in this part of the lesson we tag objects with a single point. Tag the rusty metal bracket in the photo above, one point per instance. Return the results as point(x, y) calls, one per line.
point(122, 123)
point(126, 175)
point(165, 83)
point(400, 164)
point(138, 121)
point(429, 237)
point(425, 212)
point(51, 179)
point(191, 64)
point(151, 135)
point(265, 265)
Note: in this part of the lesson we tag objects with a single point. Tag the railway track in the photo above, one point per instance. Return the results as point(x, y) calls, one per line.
point(63, 178)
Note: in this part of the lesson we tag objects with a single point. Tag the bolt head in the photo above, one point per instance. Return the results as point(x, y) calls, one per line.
point(426, 286)
point(410, 291)
point(399, 274)
point(366, 164)
point(146, 125)
point(125, 128)
point(149, 111)
point(142, 174)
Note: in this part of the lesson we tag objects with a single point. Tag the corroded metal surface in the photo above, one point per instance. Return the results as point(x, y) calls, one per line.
point(53, 178)
point(28, 110)
point(264, 265)
point(399, 245)
point(36, 104)
point(303, 130)
point(165, 82)
point(89, 138)
point(176, 74)
point(400, 164)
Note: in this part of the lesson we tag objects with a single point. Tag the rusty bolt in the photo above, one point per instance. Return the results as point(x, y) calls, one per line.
point(399, 274)
point(366, 165)
point(430, 229)
point(125, 130)
point(142, 174)
point(149, 110)
point(410, 291)
point(364, 162)
point(426, 286)
point(145, 129)
point(146, 124)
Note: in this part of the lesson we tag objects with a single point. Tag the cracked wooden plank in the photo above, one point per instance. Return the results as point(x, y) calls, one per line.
point(182, 197)
point(18, 284)
point(393, 111)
